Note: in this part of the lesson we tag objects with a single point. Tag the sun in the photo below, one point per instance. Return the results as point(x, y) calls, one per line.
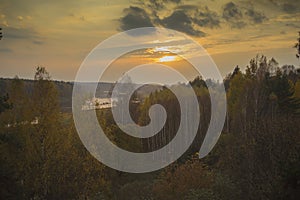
point(167, 59)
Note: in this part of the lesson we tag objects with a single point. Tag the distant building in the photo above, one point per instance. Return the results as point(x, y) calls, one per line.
point(35, 121)
point(99, 103)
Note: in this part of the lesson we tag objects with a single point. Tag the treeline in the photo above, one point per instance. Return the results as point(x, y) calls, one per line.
point(256, 157)
point(64, 90)
point(44, 160)
point(258, 154)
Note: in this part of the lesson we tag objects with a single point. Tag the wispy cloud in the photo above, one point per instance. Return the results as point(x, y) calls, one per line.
point(29, 34)
point(6, 50)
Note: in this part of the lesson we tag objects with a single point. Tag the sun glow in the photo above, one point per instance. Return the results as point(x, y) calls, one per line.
point(167, 59)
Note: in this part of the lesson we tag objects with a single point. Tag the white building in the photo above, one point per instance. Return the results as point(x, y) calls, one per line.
point(99, 103)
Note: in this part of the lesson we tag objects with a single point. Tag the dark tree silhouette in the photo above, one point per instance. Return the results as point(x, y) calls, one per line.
point(297, 46)
point(1, 33)
point(4, 104)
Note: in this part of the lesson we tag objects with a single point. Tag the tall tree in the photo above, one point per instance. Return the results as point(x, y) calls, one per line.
point(46, 110)
point(297, 46)
point(1, 33)
point(4, 103)
point(21, 111)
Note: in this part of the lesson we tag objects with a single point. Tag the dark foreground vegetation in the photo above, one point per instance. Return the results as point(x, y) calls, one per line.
point(256, 157)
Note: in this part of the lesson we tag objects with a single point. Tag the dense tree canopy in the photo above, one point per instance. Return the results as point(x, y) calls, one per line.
point(256, 157)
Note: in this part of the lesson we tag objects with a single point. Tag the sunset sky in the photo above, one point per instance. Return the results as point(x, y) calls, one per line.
point(59, 34)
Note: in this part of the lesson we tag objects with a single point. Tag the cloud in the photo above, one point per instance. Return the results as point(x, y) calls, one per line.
point(201, 16)
point(282, 32)
point(37, 42)
point(188, 19)
point(82, 18)
point(28, 34)
point(293, 25)
point(135, 17)
point(239, 17)
point(6, 50)
point(232, 12)
point(207, 18)
point(175, 1)
point(255, 16)
point(157, 4)
point(233, 15)
point(238, 24)
point(77, 17)
point(289, 8)
point(181, 21)
point(187, 7)
point(3, 21)
point(20, 18)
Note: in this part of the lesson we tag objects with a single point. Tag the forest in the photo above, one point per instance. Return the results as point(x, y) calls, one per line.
point(256, 157)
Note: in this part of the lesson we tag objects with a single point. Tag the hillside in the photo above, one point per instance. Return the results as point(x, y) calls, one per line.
point(65, 90)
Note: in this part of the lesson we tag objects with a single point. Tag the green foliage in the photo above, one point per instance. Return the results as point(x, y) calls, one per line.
point(256, 158)
point(202, 194)
point(44, 160)
point(4, 104)
point(284, 91)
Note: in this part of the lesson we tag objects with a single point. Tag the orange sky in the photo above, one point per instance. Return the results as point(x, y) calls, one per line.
point(59, 34)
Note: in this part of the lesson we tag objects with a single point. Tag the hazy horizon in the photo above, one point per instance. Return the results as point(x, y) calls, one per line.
point(59, 35)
